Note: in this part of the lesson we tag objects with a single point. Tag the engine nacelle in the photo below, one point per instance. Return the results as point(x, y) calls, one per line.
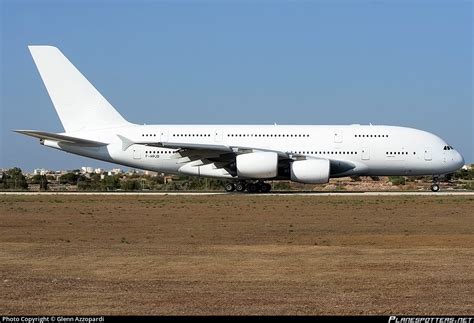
point(310, 171)
point(257, 165)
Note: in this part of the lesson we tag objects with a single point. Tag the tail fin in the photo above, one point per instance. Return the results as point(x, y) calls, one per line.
point(79, 105)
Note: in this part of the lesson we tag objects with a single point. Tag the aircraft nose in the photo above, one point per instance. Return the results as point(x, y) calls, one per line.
point(458, 159)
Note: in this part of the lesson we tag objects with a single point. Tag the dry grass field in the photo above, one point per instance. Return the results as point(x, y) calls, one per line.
point(236, 254)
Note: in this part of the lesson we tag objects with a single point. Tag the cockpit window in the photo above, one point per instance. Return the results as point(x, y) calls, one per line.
point(448, 148)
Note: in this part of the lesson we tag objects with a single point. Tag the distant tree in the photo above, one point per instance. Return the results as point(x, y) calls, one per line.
point(215, 184)
point(84, 185)
point(110, 183)
point(282, 186)
point(69, 178)
point(464, 174)
point(95, 177)
point(14, 179)
point(36, 179)
point(397, 180)
point(130, 185)
point(154, 183)
point(43, 183)
point(3, 181)
point(196, 183)
point(173, 186)
point(88, 182)
point(469, 186)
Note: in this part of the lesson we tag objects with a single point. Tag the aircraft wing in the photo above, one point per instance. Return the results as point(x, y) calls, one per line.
point(195, 148)
point(61, 138)
point(223, 155)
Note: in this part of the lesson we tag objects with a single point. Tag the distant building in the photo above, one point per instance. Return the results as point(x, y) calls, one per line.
point(151, 173)
point(87, 170)
point(98, 170)
point(40, 171)
point(467, 167)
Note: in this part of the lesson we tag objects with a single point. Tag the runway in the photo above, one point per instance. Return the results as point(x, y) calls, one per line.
point(283, 193)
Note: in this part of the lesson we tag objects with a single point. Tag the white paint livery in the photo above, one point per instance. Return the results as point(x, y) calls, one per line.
point(303, 153)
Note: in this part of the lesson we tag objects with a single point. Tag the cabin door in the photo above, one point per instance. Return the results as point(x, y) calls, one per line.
point(338, 136)
point(365, 153)
point(218, 135)
point(164, 135)
point(137, 153)
point(428, 153)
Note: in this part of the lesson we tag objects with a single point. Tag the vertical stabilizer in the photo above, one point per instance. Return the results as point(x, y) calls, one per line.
point(78, 103)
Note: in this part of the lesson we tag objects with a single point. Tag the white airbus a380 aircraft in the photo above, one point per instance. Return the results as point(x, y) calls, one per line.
point(247, 155)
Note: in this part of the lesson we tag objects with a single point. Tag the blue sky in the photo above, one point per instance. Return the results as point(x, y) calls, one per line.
point(405, 63)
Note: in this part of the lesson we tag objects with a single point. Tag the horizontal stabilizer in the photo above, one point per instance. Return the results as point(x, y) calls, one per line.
point(125, 142)
point(61, 138)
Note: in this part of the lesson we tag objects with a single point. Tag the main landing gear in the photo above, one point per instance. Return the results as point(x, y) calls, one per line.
point(250, 187)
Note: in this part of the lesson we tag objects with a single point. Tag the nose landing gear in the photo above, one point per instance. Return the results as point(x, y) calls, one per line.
point(435, 185)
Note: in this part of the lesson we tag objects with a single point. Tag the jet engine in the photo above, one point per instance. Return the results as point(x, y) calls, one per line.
point(310, 171)
point(257, 165)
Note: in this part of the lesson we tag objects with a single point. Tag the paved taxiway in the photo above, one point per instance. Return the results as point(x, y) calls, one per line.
point(287, 193)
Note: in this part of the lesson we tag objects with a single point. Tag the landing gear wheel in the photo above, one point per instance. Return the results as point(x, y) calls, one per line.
point(252, 188)
point(229, 187)
point(435, 187)
point(265, 188)
point(240, 187)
